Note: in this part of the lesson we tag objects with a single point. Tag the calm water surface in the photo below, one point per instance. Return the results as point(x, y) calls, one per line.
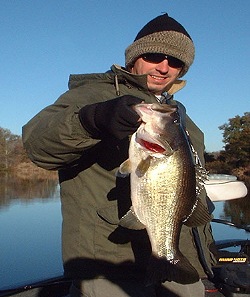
point(30, 232)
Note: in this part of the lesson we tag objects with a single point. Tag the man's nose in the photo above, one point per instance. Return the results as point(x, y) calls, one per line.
point(163, 66)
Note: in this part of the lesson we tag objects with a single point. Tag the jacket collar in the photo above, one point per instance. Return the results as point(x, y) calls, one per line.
point(118, 75)
point(141, 80)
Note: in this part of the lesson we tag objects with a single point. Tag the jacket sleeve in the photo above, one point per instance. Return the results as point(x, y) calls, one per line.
point(54, 137)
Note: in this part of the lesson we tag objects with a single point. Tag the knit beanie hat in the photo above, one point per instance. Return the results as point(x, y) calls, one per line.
point(162, 35)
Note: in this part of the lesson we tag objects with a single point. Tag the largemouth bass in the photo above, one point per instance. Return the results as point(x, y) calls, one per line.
point(163, 190)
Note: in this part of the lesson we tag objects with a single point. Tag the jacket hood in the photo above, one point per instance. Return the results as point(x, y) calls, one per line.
point(117, 75)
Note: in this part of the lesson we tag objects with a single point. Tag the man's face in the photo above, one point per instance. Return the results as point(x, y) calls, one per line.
point(161, 71)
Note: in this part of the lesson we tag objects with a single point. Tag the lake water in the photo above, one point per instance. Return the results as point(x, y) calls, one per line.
point(30, 232)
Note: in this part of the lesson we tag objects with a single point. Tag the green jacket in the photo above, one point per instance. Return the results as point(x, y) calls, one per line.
point(92, 198)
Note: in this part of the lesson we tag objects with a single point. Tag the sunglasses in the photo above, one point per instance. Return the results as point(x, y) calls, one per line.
point(158, 58)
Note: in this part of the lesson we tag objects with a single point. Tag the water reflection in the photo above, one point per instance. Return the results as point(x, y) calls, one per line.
point(12, 187)
point(238, 210)
point(30, 219)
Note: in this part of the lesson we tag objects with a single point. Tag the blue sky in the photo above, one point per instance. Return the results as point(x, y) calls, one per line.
point(42, 42)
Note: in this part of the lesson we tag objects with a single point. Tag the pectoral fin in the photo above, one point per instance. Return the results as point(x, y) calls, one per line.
point(143, 166)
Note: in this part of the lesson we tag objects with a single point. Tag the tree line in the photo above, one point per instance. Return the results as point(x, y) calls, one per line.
point(11, 150)
point(233, 159)
point(14, 159)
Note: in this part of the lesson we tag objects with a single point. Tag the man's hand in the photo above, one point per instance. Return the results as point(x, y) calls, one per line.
point(114, 117)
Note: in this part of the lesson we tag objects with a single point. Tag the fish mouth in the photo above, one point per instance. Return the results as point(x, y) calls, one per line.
point(151, 146)
point(152, 143)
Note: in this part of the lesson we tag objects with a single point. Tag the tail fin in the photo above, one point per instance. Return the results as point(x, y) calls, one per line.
point(161, 270)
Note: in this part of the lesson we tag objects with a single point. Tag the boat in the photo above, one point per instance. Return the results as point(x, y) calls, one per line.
point(224, 187)
point(232, 271)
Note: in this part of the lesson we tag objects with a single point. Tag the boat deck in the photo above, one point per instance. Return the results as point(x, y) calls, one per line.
point(61, 289)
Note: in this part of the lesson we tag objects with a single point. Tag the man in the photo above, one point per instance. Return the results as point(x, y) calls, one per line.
point(85, 136)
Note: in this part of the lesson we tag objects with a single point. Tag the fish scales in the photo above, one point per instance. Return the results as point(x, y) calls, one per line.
point(163, 189)
point(159, 207)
